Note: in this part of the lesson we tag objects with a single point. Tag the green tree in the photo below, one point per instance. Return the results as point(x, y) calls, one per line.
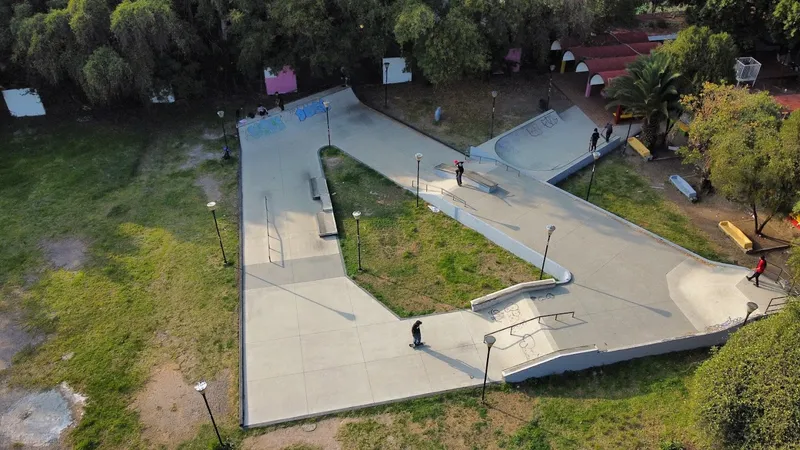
point(649, 90)
point(747, 395)
point(453, 49)
point(701, 55)
point(106, 76)
point(737, 139)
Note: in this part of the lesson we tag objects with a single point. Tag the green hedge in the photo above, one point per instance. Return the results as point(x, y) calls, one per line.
point(748, 394)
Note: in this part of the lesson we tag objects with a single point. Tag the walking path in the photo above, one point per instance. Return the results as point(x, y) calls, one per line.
point(315, 343)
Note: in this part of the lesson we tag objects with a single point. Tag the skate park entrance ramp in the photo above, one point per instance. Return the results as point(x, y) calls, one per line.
point(549, 147)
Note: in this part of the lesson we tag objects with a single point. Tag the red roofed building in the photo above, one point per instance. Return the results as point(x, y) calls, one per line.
point(579, 54)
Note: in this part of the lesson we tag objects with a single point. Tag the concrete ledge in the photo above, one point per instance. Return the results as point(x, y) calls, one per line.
point(580, 358)
point(683, 187)
point(737, 235)
point(469, 177)
point(637, 145)
point(326, 223)
point(496, 297)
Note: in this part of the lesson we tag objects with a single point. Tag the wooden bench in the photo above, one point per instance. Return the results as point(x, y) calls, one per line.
point(684, 187)
point(637, 145)
point(478, 180)
point(326, 222)
point(737, 235)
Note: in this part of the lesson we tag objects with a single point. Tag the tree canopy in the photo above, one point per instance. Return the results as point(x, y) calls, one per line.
point(739, 140)
point(112, 50)
point(747, 395)
point(701, 55)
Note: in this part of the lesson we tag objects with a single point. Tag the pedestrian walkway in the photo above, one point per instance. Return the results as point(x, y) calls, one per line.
point(315, 343)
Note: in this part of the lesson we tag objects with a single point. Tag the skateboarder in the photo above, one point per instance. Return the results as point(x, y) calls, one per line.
point(416, 334)
point(459, 170)
point(593, 141)
point(760, 268)
point(609, 129)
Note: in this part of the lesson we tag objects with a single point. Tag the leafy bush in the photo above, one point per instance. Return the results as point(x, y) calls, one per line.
point(748, 394)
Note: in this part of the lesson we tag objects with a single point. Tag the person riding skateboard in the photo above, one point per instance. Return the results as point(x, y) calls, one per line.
point(459, 170)
point(416, 334)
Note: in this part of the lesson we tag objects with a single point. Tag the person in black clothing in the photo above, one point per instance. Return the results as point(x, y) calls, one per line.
point(593, 142)
point(416, 334)
point(609, 129)
point(262, 111)
point(280, 102)
point(459, 170)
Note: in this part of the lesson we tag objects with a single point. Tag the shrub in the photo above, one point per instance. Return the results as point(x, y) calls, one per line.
point(748, 394)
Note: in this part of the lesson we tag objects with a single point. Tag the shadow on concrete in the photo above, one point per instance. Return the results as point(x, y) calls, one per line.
point(346, 315)
point(655, 310)
point(457, 364)
point(509, 226)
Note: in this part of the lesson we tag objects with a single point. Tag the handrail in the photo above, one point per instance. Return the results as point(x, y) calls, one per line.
point(441, 190)
point(496, 162)
point(269, 241)
point(529, 320)
point(779, 305)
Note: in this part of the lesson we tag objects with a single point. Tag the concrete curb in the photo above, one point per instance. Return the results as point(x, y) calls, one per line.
point(492, 299)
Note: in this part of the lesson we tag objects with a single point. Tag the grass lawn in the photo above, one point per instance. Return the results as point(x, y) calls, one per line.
point(640, 404)
point(415, 261)
point(152, 289)
point(619, 189)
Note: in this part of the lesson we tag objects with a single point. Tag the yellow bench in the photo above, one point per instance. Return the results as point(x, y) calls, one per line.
point(637, 145)
point(736, 234)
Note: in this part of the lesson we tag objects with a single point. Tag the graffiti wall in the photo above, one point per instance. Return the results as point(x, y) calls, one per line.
point(310, 110)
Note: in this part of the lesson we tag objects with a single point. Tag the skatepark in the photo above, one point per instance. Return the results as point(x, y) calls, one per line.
point(313, 342)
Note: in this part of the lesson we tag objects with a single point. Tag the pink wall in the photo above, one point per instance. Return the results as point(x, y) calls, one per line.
point(282, 83)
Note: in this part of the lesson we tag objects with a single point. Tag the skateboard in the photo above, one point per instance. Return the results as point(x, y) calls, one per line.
point(415, 346)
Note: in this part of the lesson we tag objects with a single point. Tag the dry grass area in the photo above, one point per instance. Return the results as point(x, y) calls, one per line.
point(466, 106)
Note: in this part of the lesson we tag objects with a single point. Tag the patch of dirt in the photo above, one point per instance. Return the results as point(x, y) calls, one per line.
point(170, 410)
point(38, 419)
point(508, 411)
point(13, 337)
point(196, 156)
point(711, 209)
point(210, 186)
point(323, 436)
point(66, 253)
point(211, 134)
point(332, 162)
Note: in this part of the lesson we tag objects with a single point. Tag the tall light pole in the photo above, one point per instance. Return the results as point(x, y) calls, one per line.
point(489, 341)
point(385, 85)
point(595, 156)
point(751, 307)
point(491, 129)
point(550, 230)
point(357, 216)
point(418, 157)
point(550, 85)
point(221, 115)
point(327, 106)
point(201, 388)
point(213, 206)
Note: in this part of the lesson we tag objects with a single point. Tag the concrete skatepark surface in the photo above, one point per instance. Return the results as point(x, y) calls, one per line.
point(315, 343)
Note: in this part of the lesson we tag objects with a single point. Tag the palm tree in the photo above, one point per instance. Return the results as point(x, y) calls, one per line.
point(649, 90)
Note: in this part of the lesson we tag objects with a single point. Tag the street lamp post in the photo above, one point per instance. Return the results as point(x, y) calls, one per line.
point(327, 106)
point(550, 85)
point(357, 216)
point(751, 307)
point(596, 156)
point(226, 153)
point(491, 129)
point(201, 388)
point(418, 157)
point(489, 341)
point(386, 85)
point(213, 206)
point(627, 136)
point(550, 230)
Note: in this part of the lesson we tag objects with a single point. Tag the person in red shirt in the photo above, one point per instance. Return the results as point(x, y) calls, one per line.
point(760, 268)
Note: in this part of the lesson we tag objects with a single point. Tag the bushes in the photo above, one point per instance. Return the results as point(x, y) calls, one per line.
point(748, 394)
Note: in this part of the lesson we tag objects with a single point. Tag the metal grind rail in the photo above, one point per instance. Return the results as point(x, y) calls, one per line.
point(539, 318)
point(269, 241)
point(441, 190)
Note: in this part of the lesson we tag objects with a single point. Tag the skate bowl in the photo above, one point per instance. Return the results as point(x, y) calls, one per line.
point(549, 147)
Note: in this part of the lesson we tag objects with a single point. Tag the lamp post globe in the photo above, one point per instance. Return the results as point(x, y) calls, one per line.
point(201, 388)
point(491, 128)
point(327, 106)
point(489, 340)
point(751, 307)
point(221, 114)
point(212, 206)
point(386, 84)
point(357, 216)
point(550, 229)
point(418, 157)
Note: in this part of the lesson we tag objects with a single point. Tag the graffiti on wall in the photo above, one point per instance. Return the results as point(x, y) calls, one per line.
point(310, 109)
point(265, 127)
